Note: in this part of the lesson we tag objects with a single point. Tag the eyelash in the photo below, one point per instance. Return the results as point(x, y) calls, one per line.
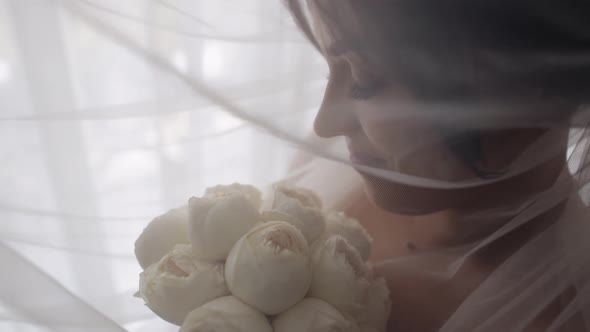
point(362, 91)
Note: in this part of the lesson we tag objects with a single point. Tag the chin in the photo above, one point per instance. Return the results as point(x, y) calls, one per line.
point(409, 200)
point(406, 200)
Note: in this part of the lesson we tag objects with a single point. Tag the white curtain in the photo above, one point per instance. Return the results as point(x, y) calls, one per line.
point(100, 130)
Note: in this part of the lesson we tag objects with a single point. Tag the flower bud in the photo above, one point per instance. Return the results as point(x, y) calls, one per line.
point(377, 308)
point(250, 192)
point(340, 276)
point(161, 235)
point(269, 267)
point(216, 222)
point(179, 283)
point(350, 229)
point(313, 315)
point(225, 314)
point(304, 206)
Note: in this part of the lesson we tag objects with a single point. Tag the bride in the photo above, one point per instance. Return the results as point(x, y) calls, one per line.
point(456, 131)
point(466, 124)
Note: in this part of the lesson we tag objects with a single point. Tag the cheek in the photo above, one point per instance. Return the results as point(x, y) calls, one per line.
point(414, 148)
point(392, 124)
point(391, 135)
point(402, 131)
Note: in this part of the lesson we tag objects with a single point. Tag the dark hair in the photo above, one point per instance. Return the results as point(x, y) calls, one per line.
point(532, 51)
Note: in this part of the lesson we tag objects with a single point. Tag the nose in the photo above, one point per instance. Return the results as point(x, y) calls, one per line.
point(336, 116)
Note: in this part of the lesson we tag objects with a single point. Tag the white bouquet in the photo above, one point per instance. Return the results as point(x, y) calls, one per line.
point(304, 209)
point(220, 218)
point(313, 315)
point(284, 257)
point(269, 268)
point(179, 283)
point(161, 236)
point(225, 314)
point(350, 229)
point(340, 277)
point(375, 312)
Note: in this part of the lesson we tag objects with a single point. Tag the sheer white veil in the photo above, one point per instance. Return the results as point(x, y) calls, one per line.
point(543, 285)
point(542, 271)
point(112, 112)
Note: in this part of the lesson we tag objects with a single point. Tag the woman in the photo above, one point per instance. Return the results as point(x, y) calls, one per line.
point(460, 114)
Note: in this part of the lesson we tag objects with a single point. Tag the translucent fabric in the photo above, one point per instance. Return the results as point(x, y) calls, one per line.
point(112, 112)
point(549, 267)
point(102, 130)
point(531, 243)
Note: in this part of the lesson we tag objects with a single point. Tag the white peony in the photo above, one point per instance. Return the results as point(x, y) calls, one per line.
point(350, 229)
point(340, 276)
point(250, 192)
point(269, 267)
point(179, 283)
point(377, 308)
point(225, 314)
point(218, 220)
point(161, 235)
point(304, 206)
point(313, 315)
point(274, 215)
point(305, 196)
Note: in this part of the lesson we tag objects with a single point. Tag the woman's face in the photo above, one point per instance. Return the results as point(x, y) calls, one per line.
point(375, 139)
point(381, 125)
point(383, 128)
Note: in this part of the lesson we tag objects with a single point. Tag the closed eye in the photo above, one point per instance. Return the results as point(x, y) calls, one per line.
point(360, 88)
